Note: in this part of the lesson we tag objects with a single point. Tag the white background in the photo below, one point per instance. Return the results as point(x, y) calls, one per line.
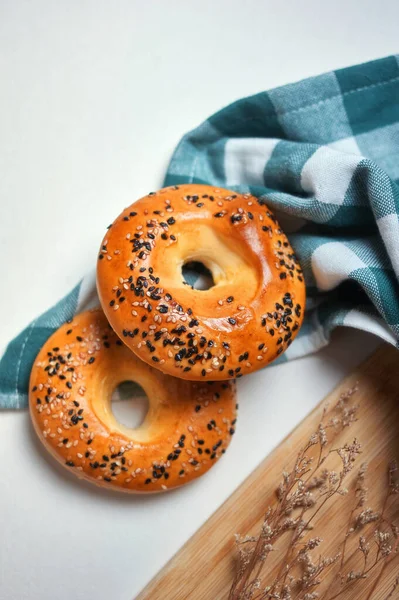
point(94, 97)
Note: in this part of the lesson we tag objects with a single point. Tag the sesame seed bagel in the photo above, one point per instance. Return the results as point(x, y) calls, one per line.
point(187, 428)
point(251, 314)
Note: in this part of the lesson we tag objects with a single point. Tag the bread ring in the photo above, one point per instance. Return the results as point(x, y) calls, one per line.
point(187, 428)
point(245, 321)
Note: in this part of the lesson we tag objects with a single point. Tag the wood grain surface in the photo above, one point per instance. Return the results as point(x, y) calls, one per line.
point(204, 567)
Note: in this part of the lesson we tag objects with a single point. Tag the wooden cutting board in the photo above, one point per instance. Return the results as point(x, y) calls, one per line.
point(204, 567)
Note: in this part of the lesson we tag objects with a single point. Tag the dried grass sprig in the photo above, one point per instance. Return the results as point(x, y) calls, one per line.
point(287, 542)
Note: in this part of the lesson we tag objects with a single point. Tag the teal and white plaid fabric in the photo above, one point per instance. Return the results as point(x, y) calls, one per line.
point(324, 154)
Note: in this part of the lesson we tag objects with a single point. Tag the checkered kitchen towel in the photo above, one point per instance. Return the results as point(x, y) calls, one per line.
point(324, 154)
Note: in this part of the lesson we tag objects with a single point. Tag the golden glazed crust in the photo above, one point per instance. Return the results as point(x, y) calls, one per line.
point(251, 314)
point(187, 428)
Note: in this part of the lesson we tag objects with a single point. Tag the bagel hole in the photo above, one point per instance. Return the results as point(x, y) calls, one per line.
point(129, 404)
point(197, 275)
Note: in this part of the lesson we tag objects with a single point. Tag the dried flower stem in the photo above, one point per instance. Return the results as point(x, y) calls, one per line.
point(301, 497)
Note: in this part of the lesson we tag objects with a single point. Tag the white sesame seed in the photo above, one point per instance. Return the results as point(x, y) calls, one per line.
point(259, 357)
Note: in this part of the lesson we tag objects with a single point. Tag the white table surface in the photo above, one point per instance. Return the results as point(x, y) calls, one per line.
point(94, 97)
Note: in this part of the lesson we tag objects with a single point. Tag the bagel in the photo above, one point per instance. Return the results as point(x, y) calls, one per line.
point(187, 428)
point(248, 318)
